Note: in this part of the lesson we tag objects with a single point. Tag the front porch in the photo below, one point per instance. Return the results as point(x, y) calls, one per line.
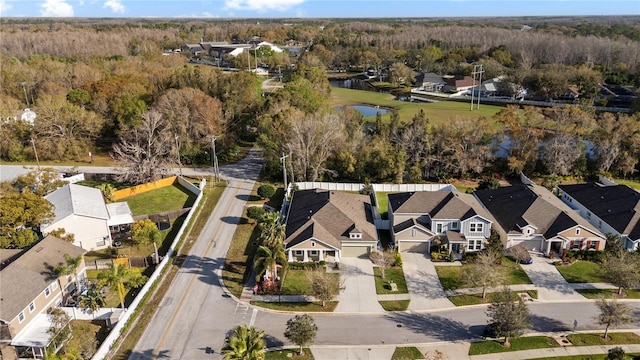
point(307, 255)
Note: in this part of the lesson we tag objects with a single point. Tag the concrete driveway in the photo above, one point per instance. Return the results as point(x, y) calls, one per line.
point(551, 285)
point(423, 283)
point(359, 288)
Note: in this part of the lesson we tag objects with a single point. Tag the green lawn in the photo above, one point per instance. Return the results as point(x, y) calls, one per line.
point(609, 293)
point(95, 183)
point(167, 198)
point(615, 338)
point(383, 204)
point(395, 305)
point(296, 282)
point(298, 306)
point(394, 274)
point(450, 276)
point(635, 184)
point(288, 354)
point(582, 272)
point(475, 299)
point(588, 357)
point(241, 250)
point(407, 353)
point(85, 333)
point(517, 344)
point(437, 113)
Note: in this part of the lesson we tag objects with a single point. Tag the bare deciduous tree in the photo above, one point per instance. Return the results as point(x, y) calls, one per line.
point(145, 151)
point(484, 272)
point(613, 313)
point(383, 259)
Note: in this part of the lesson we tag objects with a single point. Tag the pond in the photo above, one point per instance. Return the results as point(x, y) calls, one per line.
point(369, 111)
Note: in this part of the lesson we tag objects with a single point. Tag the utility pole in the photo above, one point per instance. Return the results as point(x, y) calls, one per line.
point(175, 136)
point(33, 143)
point(214, 159)
point(283, 159)
point(477, 74)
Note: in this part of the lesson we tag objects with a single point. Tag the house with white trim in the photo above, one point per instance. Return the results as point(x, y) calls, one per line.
point(612, 209)
point(329, 225)
point(426, 221)
point(30, 288)
point(82, 211)
point(532, 216)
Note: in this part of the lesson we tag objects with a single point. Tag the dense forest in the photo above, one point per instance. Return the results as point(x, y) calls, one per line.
point(105, 86)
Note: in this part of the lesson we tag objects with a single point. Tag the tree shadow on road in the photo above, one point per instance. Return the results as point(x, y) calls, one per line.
point(145, 355)
point(547, 324)
point(433, 325)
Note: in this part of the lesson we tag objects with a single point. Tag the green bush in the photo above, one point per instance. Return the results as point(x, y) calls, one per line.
point(255, 212)
point(398, 259)
point(303, 265)
point(266, 191)
point(451, 258)
point(322, 263)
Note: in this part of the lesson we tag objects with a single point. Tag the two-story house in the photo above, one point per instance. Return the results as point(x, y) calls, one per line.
point(532, 216)
point(422, 219)
point(29, 288)
point(82, 211)
point(328, 225)
point(613, 209)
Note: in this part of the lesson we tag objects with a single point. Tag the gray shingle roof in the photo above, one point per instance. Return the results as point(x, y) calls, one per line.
point(22, 280)
point(438, 204)
point(79, 200)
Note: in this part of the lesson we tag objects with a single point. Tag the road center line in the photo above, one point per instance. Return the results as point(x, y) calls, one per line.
point(193, 278)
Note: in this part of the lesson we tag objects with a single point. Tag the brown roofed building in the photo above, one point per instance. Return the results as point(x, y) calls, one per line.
point(328, 225)
point(29, 287)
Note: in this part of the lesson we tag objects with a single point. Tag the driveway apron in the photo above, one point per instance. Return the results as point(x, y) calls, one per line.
point(423, 283)
point(359, 288)
point(551, 285)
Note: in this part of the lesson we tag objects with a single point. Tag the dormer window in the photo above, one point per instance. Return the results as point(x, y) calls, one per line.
point(355, 235)
point(313, 244)
point(577, 231)
point(454, 225)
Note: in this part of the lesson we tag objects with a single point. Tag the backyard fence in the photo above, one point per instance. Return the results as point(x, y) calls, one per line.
point(139, 189)
point(115, 333)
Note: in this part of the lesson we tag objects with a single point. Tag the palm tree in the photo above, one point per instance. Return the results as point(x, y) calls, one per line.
point(247, 343)
point(268, 260)
point(272, 233)
point(115, 278)
point(69, 267)
point(92, 300)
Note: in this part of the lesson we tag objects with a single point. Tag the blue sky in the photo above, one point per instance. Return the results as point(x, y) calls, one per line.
point(312, 8)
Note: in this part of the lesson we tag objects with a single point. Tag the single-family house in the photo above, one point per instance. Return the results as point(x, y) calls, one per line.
point(429, 81)
point(329, 225)
point(532, 216)
point(82, 211)
point(458, 83)
point(195, 49)
point(613, 209)
point(30, 288)
point(424, 219)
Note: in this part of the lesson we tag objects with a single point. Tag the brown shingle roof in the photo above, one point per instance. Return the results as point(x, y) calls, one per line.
point(438, 204)
point(25, 278)
point(329, 216)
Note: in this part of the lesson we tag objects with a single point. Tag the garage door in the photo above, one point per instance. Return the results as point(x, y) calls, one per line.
point(355, 251)
point(531, 245)
point(414, 246)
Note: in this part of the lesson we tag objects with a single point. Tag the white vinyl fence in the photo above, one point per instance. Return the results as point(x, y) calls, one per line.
point(117, 330)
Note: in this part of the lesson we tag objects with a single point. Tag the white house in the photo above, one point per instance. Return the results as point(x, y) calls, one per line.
point(82, 211)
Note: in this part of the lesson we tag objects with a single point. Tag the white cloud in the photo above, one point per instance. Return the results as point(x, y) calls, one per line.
point(115, 6)
point(261, 5)
point(56, 8)
point(4, 7)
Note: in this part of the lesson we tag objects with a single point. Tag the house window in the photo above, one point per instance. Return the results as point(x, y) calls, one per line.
point(54, 286)
point(475, 227)
point(21, 317)
point(32, 307)
point(474, 245)
point(577, 231)
point(599, 224)
point(593, 244)
point(298, 252)
point(314, 252)
point(47, 292)
point(439, 228)
point(413, 232)
point(588, 215)
point(575, 245)
point(313, 244)
point(454, 225)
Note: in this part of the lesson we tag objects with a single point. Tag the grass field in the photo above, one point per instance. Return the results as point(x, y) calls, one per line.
point(635, 184)
point(167, 198)
point(451, 276)
point(615, 338)
point(383, 204)
point(582, 272)
point(475, 299)
point(394, 274)
point(437, 113)
point(407, 353)
point(609, 293)
point(86, 332)
point(517, 344)
point(298, 306)
point(395, 305)
point(588, 357)
point(289, 354)
point(242, 250)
